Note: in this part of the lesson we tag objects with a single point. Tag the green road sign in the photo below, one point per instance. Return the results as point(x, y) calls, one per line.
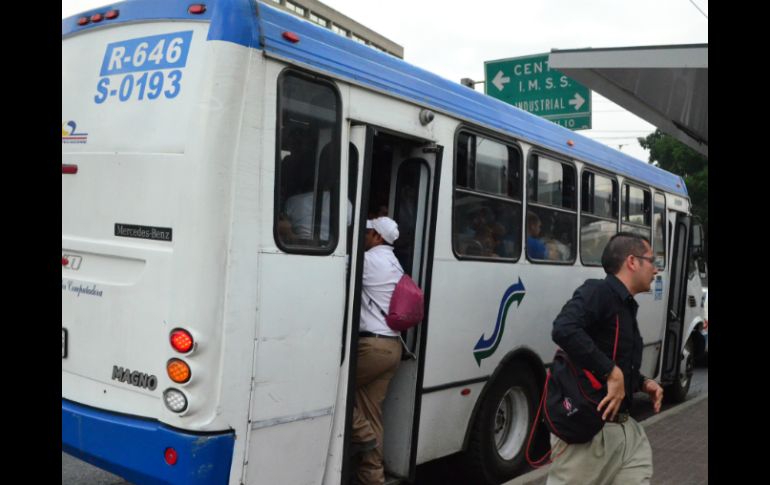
point(530, 84)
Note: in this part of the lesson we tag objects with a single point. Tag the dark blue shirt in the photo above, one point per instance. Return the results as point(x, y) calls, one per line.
point(586, 328)
point(535, 248)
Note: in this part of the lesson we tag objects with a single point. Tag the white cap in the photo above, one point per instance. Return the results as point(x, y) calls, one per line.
point(385, 226)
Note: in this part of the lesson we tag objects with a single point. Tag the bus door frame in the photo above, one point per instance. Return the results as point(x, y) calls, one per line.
point(677, 298)
point(362, 135)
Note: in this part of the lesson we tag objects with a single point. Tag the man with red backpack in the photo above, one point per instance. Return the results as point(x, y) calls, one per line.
point(379, 347)
point(598, 330)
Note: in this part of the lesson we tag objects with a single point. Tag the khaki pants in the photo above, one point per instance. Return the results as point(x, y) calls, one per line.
point(378, 359)
point(619, 454)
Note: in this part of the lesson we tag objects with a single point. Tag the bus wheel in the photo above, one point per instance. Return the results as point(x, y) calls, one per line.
point(677, 391)
point(496, 449)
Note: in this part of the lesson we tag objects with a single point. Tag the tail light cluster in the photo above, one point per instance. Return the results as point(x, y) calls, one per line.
point(179, 370)
point(195, 9)
point(98, 17)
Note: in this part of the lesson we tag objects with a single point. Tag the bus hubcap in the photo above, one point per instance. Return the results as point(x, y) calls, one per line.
point(511, 421)
point(687, 366)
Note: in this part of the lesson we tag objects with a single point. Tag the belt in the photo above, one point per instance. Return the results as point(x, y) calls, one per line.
point(375, 335)
point(620, 418)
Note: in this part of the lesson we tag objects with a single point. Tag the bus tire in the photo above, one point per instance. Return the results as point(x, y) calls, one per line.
point(498, 438)
point(676, 392)
point(701, 356)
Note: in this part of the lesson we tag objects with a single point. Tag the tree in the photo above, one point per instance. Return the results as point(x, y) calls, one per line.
point(674, 156)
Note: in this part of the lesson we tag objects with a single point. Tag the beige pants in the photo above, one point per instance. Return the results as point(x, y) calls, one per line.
point(618, 455)
point(378, 359)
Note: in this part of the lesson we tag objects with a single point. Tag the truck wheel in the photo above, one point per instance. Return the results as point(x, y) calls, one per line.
point(498, 438)
point(677, 391)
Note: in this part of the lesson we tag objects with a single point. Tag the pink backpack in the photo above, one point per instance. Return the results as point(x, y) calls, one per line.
point(406, 305)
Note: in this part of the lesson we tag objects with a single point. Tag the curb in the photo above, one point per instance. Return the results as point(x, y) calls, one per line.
point(542, 472)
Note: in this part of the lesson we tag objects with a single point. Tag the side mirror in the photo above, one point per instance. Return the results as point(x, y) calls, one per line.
point(697, 241)
point(703, 270)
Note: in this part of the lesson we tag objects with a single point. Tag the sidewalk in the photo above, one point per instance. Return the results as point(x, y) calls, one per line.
point(679, 440)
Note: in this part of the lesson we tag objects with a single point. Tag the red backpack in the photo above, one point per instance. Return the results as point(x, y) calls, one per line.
point(406, 305)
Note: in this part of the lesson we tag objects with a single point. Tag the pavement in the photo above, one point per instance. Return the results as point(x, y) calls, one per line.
point(679, 440)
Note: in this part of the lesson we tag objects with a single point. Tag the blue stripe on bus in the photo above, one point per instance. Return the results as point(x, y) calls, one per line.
point(134, 448)
point(322, 48)
point(235, 21)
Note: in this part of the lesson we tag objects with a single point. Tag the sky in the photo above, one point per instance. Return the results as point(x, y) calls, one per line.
point(453, 38)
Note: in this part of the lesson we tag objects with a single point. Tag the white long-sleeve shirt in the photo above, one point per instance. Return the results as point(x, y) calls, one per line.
point(299, 210)
point(382, 271)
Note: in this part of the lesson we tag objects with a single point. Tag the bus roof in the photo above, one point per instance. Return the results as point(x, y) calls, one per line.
point(236, 21)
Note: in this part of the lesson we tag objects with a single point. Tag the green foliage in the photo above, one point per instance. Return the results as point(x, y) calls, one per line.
point(676, 157)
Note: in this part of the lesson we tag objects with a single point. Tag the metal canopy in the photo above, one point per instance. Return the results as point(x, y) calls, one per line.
point(665, 85)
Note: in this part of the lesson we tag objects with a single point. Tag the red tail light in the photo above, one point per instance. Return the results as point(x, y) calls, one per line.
point(170, 456)
point(291, 37)
point(97, 17)
point(181, 340)
point(83, 20)
point(197, 9)
point(112, 14)
point(68, 168)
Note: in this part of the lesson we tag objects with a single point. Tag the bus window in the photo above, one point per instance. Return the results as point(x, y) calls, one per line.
point(307, 186)
point(659, 243)
point(406, 212)
point(551, 210)
point(636, 211)
point(487, 202)
point(598, 216)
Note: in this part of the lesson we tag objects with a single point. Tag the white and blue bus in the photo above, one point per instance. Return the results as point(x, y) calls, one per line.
point(219, 162)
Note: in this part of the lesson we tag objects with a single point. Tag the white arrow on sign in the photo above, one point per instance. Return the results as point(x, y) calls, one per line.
point(499, 81)
point(577, 101)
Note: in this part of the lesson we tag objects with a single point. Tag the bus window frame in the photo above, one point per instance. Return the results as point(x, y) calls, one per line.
point(554, 157)
point(510, 143)
point(334, 222)
point(616, 185)
point(655, 193)
point(422, 163)
point(644, 188)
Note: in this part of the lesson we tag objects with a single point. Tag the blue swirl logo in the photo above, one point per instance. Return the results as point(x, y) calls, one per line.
point(486, 347)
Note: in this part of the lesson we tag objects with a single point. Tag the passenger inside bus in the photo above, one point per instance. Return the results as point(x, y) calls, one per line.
point(299, 207)
point(561, 242)
point(482, 231)
point(536, 247)
point(550, 241)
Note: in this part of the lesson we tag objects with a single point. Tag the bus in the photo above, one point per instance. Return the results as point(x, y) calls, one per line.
point(219, 163)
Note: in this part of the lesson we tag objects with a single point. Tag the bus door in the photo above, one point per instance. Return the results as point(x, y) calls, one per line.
point(672, 358)
point(413, 189)
point(399, 177)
